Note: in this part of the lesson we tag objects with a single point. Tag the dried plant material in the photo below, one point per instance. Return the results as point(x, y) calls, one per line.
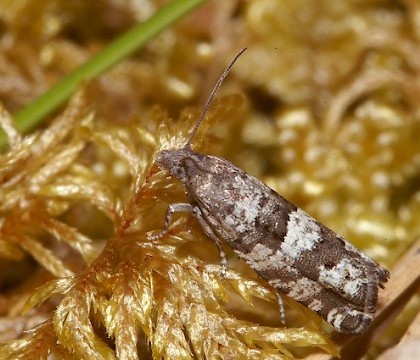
point(413, 332)
point(410, 350)
point(38, 343)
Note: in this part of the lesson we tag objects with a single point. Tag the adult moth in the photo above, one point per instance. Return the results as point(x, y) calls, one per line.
point(293, 252)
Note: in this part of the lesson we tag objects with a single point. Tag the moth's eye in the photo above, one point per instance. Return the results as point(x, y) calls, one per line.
point(179, 171)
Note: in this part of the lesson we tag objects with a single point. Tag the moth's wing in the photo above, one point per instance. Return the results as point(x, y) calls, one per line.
point(321, 255)
point(332, 307)
point(257, 222)
point(335, 309)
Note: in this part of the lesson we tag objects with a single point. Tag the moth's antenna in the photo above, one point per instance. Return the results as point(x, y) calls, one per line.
point(211, 97)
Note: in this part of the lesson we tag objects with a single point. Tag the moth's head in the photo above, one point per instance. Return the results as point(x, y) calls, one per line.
point(182, 163)
point(173, 160)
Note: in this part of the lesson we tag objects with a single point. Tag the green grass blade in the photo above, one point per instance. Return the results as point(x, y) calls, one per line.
point(126, 44)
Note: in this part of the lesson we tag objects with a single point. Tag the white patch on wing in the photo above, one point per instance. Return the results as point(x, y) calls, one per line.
point(260, 258)
point(302, 234)
point(331, 315)
point(303, 289)
point(246, 207)
point(338, 320)
point(316, 305)
point(259, 253)
point(344, 275)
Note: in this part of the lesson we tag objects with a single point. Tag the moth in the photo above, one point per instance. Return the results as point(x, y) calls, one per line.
point(293, 252)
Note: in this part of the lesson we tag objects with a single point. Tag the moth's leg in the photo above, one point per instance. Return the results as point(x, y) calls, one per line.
point(281, 308)
point(173, 208)
point(210, 233)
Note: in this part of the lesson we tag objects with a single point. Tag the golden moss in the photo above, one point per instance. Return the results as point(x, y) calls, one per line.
point(132, 284)
point(325, 112)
